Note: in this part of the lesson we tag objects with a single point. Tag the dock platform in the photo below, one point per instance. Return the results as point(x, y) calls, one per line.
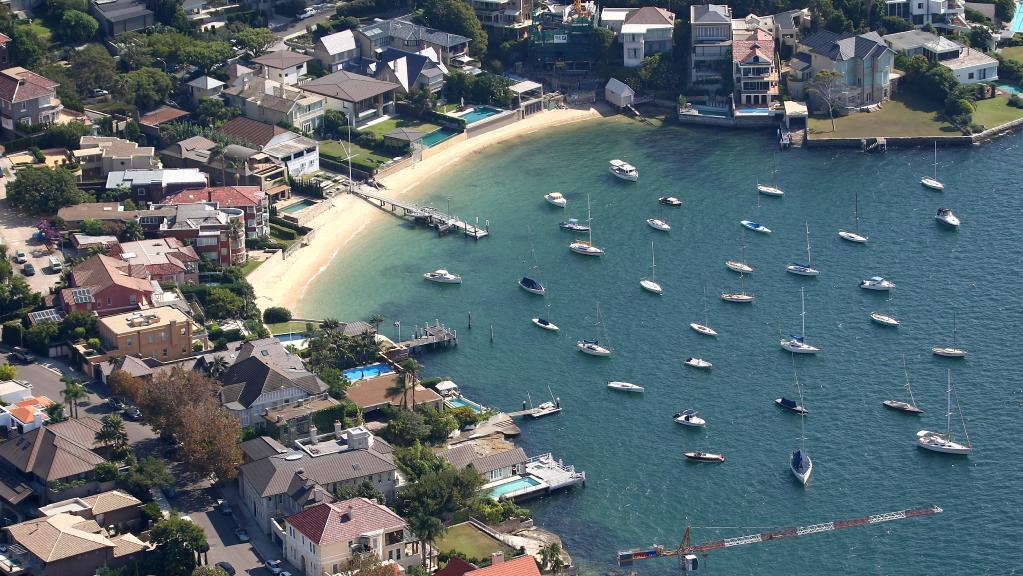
point(428, 337)
point(424, 214)
point(542, 475)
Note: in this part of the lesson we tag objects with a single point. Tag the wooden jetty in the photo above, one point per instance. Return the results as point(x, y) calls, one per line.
point(424, 214)
point(428, 337)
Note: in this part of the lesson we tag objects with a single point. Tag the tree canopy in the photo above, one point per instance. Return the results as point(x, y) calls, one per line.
point(44, 190)
point(146, 87)
point(457, 17)
point(77, 27)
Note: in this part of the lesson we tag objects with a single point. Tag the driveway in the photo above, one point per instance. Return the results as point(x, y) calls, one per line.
point(16, 230)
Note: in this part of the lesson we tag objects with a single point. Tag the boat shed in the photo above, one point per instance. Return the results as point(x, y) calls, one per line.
point(618, 93)
point(795, 115)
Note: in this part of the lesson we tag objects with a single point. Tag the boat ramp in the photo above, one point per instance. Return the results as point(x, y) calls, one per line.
point(425, 214)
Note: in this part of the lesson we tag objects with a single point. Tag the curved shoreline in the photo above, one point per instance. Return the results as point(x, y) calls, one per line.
point(279, 282)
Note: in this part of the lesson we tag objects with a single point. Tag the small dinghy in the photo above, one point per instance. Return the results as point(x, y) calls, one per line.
point(689, 418)
point(791, 405)
point(705, 457)
point(698, 363)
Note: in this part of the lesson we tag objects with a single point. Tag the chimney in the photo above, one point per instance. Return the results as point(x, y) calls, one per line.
point(496, 558)
point(339, 430)
point(312, 433)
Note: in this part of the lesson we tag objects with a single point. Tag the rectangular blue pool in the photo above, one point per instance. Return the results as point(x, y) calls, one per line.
point(1017, 19)
point(460, 402)
point(479, 113)
point(364, 372)
point(1009, 88)
point(512, 486)
point(291, 337)
point(711, 111)
point(438, 136)
point(300, 205)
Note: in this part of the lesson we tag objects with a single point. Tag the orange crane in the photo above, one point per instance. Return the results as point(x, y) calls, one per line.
point(691, 564)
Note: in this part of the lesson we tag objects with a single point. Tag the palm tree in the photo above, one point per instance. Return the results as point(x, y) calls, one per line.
point(133, 231)
point(217, 153)
point(550, 558)
point(428, 529)
point(73, 392)
point(55, 412)
point(217, 367)
point(112, 434)
point(409, 372)
point(399, 388)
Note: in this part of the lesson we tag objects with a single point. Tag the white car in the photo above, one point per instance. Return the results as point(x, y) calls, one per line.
point(274, 566)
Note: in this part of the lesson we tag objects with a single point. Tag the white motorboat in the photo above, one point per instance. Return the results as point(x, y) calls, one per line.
point(705, 456)
point(574, 225)
point(593, 347)
point(669, 201)
point(755, 226)
point(946, 217)
point(704, 328)
point(854, 237)
point(804, 269)
point(770, 190)
point(650, 284)
point(932, 181)
point(546, 324)
point(689, 418)
point(658, 224)
point(698, 363)
point(900, 405)
point(944, 441)
point(791, 405)
point(877, 283)
point(884, 319)
point(624, 386)
point(624, 170)
point(797, 344)
point(442, 276)
point(586, 247)
point(557, 199)
point(952, 351)
point(740, 267)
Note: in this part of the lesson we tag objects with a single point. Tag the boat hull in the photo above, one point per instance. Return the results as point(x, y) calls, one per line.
point(740, 267)
point(698, 363)
point(797, 347)
point(798, 409)
point(624, 175)
point(693, 421)
point(802, 270)
point(651, 286)
point(443, 279)
point(754, 226)
point(558, 201)
point(947, 221)
point(770, 190)
point(884, 319)
point(658, 224)
point(949, 352)
point(931, 183)
point(704, 457)
point(624, 387)
point(585, 249)
point(804, 470)
point(532, 287)
point(900, 406)
point(936, 442)
point(593, 349)
point(669, 201)
point(573, 227)
point(737, 298)
point(852, 237)
point(540, 323)
point(702, 329)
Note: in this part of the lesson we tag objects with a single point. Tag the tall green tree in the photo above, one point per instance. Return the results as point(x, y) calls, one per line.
point(92, 67)
point(255, 41)
point(177, 543)
point(207, 55)
point(27, 48)
point(76, 27)
point(146, 87)
point(44, 190)
point(457, 17)
point(72, 393)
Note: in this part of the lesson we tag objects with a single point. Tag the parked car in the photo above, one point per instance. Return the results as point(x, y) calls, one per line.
point(132, 413)
point(115, 403)
point(20, 257)
point(274, 566)
point(226, 567)
point(22, 355)
point(242, 534)
point(224, 506)
point(28, 269)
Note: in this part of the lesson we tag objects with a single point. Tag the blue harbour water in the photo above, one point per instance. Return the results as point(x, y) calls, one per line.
point(639, 489)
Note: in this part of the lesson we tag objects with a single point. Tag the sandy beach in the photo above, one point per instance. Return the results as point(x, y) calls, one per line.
point(283, 282)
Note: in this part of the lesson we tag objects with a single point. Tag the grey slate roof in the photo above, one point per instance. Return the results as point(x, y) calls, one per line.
point(710, 14)
point(348, 86)
point(248, 379)
point(845, 46)
point(262, 447)
point(403, 29)
point(464, 455)
point(274, 475)
point(414, 65)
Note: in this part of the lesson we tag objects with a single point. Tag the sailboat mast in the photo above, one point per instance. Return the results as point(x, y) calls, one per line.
point(935, 159)
point(962, 419)
point(799, 389)
point(802, 314)
point(905, 370)
point(948, 409)
point(808, 260)
point(589, 220)
point(953, 329)
point(856, 209)
point(706, 311)
point(653, 263)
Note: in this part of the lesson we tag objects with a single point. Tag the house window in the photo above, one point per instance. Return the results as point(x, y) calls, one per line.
point(109, 301)
point(128, 342)
point(164, 351)
point(970, 76)
point(132, 299)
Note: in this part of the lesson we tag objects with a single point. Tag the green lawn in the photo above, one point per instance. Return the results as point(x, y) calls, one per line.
point(250, 266)
point(995, 111)
point(360, 156)
point(286, 327)
point(472, 542)
point(391, 124)
point(40, 29)
point(447, 108)
point(1013, 53)
point(903, 117)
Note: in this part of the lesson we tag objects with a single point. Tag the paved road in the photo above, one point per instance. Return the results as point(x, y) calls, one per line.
point(16, 232)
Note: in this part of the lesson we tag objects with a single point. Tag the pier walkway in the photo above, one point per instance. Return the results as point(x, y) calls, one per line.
point(424, 214)
point(428, 337)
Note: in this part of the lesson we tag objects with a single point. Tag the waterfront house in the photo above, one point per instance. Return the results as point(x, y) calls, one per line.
point(968, 65)
point(505, 19)
point(756, 77)
point(217, 235)
point(164, 333)
point(947, 15)
point(265, 375)
point(120, 16)
point(710, 37)
point(360, 97)
point(152, 186)
point(204, 87)
point(166, 260)
point(323, 538)
point(105, 286)
point(271, 102)
point(285, 484)
point(333, 50)
point(283, 66)
point(562, 37)
point(789, 27)
point(409, 70)
point(300, 155)
point(372, 394)
point(404, 34)
point(99, 155)
point(27, 98)
point(252, 201)
point(238, 165)
point(492, 466)
point(646, 31)
point(522, 566)
point(863, 61)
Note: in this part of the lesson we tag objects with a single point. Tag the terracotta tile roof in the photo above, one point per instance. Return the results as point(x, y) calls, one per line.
point(282, 59)
point(65, 536)
point(55, 451)
point(371, 393)
point(225, 196)
point(4, 38)
point(100, 272)
point(161, 115)
point(21, 85)
point(25, 411)
point(343, 521)
point(521, 566)
point(455, 567)
point(760, 44)
point(251, 131)
point(108, 501)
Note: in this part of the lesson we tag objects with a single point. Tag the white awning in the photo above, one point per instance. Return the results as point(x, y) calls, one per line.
point(795, 109)
point(525, 86)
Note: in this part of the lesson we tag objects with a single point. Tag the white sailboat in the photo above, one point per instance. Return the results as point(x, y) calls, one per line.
point(950, 351)
point(797, 344)
point(945, 442)
point(899, 405)
point(740, 266)
point(650, 284)
point(771, 189)
point(738, 297)
point(886, 318)
point(532, 285)
point(932, 182)
point(586, 247)
point(799, 461)
point(704, 328)
point(804, 269)
point(854, 236)
point(756, 226)
point(624, 386)
point(546, 323)
point(593, 347)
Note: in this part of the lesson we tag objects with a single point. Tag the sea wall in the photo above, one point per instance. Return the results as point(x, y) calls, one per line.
point(907, 142)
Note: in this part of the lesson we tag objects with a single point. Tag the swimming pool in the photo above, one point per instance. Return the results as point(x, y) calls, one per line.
point(438, 136)
point(710, 111)
point(754, 111)
point(1009, 88)
point(300, 205)
point(513, 485)
point(1017, 19)
point(460, 402)
point(479, 113)
point(290, 337)
point(364, 372)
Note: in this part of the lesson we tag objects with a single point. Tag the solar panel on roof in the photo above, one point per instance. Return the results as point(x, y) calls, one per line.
point(81, 295)
point(48, 315)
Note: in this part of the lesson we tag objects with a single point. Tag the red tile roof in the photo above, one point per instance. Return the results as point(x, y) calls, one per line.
point(760, 44)
point(344, 521)
point(100, 272)
point(521, 566)
point(161, 115)
point(4, 38)
point(225, 196)
point(21, 85)
point(455, 567)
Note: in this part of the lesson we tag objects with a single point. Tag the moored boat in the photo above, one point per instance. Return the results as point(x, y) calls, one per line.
point(557, 199)
point(689, 417)
point(442, 276)
point(592, 347)
point(624, 170)
point(546, 324)
point(877, 283)
point(740, 267)
point(770, 190)
point(755, 226)
point(791, 405)
point(658, 224)
point(530, 285)
point(698, 363)
point(884, 319)
point(932, 181)
point(945, 442)
point(952, 351)
point(669, 201)
point(946, 217)
point(624, 386)
point(574, 225)
point(705, 457)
